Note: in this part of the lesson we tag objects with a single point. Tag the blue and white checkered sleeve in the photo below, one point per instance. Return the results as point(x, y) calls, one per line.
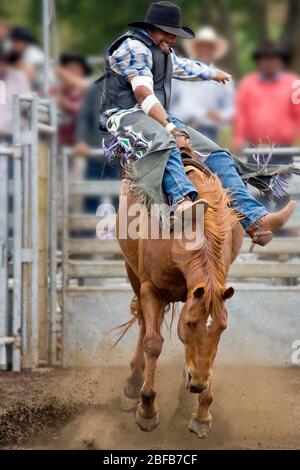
point(131, 59)
point(192, 70)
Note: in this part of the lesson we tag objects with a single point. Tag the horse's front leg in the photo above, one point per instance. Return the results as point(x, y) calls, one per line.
point(152, 311)
point(200, 422)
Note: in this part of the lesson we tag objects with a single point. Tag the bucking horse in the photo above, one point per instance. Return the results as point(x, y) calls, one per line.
point(163, 271)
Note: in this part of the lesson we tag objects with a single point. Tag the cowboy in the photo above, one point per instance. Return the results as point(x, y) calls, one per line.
point(206, 106)
point(140, 66)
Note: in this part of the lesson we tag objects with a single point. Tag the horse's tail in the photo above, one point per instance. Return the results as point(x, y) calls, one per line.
point(135, 312)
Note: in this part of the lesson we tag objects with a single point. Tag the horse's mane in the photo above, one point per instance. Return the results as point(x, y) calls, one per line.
point(209, 259)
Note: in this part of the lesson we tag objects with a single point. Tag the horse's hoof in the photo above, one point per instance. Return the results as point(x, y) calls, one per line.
point(128, 404)
point(201, 429)
point(147, 424)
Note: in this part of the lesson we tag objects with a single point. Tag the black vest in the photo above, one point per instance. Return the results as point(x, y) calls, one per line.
point(117, 91)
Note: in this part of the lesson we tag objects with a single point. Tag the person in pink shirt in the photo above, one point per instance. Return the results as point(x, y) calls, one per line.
point(4, 29)
point(266, 114)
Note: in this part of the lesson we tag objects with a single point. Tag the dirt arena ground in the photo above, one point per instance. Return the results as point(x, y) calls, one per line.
point(254, 408)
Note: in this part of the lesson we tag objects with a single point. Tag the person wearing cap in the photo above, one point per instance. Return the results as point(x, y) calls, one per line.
point(136, 94)
point(72, 72)
point(265, 112)
point(11, 82)
point(207, 106)
point(23, 50)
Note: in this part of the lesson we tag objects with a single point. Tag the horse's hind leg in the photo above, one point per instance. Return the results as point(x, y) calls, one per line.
point(152, 311)
point(200, 422)
point(134, 382)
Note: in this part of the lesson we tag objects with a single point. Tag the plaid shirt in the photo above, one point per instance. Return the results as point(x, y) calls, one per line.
point(133, 58)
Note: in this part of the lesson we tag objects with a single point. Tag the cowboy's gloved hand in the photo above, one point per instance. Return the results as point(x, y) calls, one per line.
point(182, 139)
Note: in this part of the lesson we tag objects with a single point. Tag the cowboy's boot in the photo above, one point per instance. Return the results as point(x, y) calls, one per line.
point(262, 230)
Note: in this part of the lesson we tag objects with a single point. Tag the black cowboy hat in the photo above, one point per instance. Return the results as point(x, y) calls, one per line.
point(65, 59)
point(167, 17)
point(271, 49)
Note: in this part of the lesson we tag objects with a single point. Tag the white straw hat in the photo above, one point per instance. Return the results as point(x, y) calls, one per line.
point(208, 34)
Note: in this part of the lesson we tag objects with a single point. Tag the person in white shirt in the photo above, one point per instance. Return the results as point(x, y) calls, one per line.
point(206, 106)
point(28, 55)
point(12, 81)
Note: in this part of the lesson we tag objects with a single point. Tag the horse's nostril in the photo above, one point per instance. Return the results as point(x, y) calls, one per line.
point(194, 389)
point(189, 376)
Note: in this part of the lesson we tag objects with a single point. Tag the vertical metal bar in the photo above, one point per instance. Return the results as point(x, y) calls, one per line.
point(65, 248)
point(3, 257)
point(46, 45)
point(26, 267)
point(53, 235)
point(17, 236)
point(34, 235)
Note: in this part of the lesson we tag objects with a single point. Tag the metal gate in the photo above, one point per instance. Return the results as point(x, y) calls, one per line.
point(27, 200)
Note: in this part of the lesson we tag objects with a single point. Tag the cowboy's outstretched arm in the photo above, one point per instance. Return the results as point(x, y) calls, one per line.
point(194, 70)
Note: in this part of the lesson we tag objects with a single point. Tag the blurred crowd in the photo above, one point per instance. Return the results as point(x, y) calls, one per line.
point(257, 110)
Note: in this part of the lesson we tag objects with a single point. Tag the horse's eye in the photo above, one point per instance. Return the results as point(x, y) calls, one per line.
point(190, 324)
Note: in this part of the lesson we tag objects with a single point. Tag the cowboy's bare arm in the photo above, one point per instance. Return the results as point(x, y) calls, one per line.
point(158, 113)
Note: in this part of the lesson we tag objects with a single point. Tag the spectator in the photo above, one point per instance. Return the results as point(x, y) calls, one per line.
point(25, 52)
point(88, 136)
point(12, 81)
point(87, 130)
point(265, 112)
point(206, 106)
point(4, 30)
point(72, 74)
point(73, 83)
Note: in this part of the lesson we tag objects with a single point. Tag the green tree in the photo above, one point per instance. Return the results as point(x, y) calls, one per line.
point(88, 26)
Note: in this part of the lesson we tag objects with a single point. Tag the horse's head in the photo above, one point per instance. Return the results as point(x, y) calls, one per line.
point(200, 329)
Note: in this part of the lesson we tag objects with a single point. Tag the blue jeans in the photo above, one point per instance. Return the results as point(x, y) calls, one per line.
point(176, 184)
point(221, 163)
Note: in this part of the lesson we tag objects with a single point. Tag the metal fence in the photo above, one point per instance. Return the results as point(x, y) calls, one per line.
point(89, 257)
point(27, 201)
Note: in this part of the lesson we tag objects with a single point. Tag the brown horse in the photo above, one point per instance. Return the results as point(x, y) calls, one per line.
point(161, 271)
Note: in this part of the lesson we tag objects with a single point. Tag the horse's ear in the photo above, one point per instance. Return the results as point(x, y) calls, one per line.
point(227, 293)
point(198, 292)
